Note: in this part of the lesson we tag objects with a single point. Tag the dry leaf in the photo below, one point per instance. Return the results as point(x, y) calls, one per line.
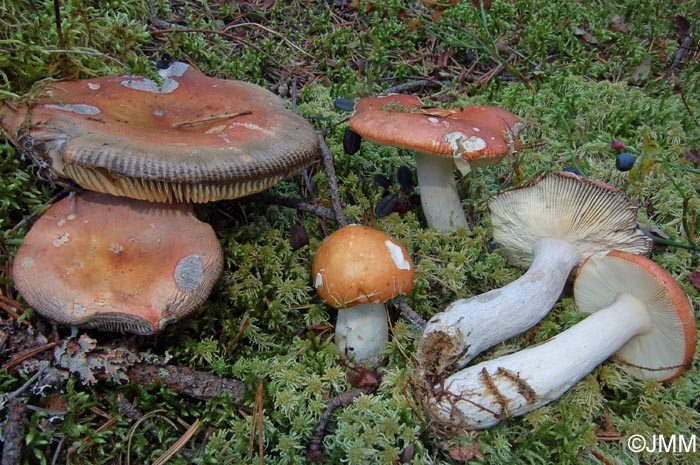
point(641, 72)
point(466, 453)
point(360, 377)
point(693, 155)
point(585, 36)
point(694, 277)
point(618, 24)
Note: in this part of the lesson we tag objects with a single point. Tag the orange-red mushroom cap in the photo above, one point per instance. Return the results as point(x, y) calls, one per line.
point(478, 135)
point(95, 260)
point(194, 138)
point(359, 265)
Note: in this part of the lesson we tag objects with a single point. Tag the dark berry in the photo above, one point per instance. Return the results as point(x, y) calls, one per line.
point(624, 161)
point(351, 141)
point(617, 145)
point(344, 104)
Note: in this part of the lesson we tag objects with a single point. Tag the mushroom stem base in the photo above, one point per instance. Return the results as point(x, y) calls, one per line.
point(482, 395)
point(469, 326)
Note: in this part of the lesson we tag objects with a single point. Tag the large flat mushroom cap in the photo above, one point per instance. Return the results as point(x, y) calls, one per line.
point(662, 353)
point(193, 139)
point(478, 135)
point(589, 214)
point(359, 265)
point(95, 260)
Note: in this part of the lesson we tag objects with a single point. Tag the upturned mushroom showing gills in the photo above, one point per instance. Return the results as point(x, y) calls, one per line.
point(194, 138)
point(118, 264)
point(637, 312)
point(442, 139)
point(356, 269)
point(550, 224)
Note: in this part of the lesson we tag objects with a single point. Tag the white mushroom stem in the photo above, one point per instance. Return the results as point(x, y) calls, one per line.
point(362, 332)
point(468, 326)
point(482, 395)
point(438, 192)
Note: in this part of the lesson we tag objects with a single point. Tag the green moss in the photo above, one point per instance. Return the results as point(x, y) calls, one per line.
point(264, 322)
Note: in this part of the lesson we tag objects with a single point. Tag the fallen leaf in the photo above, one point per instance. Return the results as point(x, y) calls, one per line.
point(694, 277)
point(693, 155)
point(682, 27)
point(618, 24)
point(585, 36)
point(466, 453)
point(641, 72)
point(360, 377)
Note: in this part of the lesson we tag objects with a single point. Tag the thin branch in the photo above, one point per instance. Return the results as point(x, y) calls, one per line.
point(315, 451)
point(341, 218)
point(13, 434)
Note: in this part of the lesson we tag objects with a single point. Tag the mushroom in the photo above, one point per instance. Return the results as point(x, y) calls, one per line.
point(111, 263)
point(356, 269)
point(638, 312)
point(194, 138)
point(550, 224)
point(465, 138)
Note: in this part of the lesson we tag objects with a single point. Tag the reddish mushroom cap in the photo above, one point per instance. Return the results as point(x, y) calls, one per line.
point(359, 265)
point(480, 135)
point(119, 264)
point(194, 138)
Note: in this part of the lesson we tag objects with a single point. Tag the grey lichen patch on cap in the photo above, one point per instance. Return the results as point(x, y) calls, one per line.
point(79, 108)
point(587, 213)
point(168, 85)
point(189, 273)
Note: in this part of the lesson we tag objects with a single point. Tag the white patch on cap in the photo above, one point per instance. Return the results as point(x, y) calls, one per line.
point(159, 112)
point(79, 309)
point(176, 69)
point(397, 256)
point(319, 280)
point(189, 273)
point(251, 126)
point(62, 238)
point(432, 119)
point(460, 143)
point(79, 108)
point(93, 86)
point(169, 84)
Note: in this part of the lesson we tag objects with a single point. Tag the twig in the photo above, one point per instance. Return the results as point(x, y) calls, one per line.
point(13, 434)
point(408, 312)
point(16, 393)
point(179, 444)
point(682, 50)
point(26, 355)
point(256, 425)
point(209, 119)
point(128, 410)
point(183, 380)
point(340, 217)
point(299, 204)
point(314, 452)
point(411, 85)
